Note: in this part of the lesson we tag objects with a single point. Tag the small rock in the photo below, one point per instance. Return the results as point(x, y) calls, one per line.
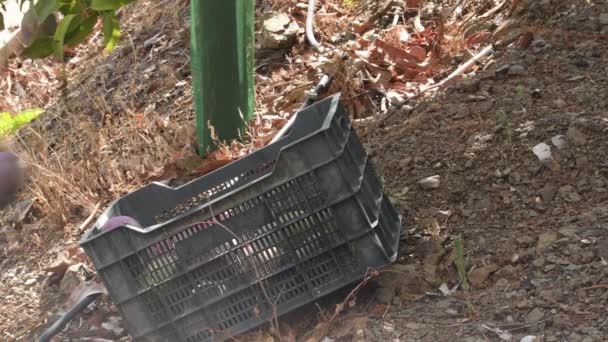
point(514, 178)
point(542, 151)
point(530, 338)
point(545, 240)
point(569, 194)
point(568, 232)
point(516, 70)
point(535, 315)
point(539, 262)
point(539, 45)
point(559, 141)
point(414, 326)
point(601, 250)
point(581, 160)
point(113, 325)
point(30, 281)
point(547, 295)
point(548, 192)
point(405, 163)
point(603, 19)
point(278, 32)
point(478, 276)
point(575, 136)
point(470, 85)
point(405, 191)
point(509, 272)
point(430, 183)
point(525, 240)
point(452, 312)
point(586, 257)
point(523, 304)
point(73, 278)
point(502, 71)
point(502, 283)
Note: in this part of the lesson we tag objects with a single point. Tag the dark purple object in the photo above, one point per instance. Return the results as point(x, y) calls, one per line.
point(11, 176)
point(119, 221)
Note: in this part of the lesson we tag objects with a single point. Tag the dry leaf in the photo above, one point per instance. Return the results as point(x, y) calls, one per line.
point(478, 38)
point(59, 265)
point(396, 52)
point(525, 40)
point(418, 51)
point(165, 173)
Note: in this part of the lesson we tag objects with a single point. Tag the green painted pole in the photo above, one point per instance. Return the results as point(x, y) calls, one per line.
point(222, 44)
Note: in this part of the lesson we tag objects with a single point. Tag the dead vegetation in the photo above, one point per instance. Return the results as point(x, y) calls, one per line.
point(114, 123)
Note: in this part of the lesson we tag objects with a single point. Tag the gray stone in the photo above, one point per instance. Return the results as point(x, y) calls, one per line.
point(430, 183)
point(278, 32)
point(559, 141)
point(548, 192)
point(601, 249)
point(568, 232)
point(414, 326)
point(470, 85)
point(569, 194)
point(516, 70)
point(575, 136)
point(72, 279)
point(545, 240)
point(603, 19)
point(535, 315)
point(478, 276)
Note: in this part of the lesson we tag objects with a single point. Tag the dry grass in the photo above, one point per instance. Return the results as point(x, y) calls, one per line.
point(74, 165)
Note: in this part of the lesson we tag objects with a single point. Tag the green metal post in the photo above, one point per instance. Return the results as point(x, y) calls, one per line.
point(222, 43)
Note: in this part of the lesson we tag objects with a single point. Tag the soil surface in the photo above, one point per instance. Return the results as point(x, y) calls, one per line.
point(534, 229)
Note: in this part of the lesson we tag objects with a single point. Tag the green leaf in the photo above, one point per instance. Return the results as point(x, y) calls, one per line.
point(9, 124)
point(60, 34)
point(78, 19)
point(111, 31)
point(72, 7)
point(40, 48)
point(1, 22)
point(108, 5)
point(81, 33)
point(44, 8)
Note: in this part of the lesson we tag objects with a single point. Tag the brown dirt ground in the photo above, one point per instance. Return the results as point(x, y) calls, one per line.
point(535, 234)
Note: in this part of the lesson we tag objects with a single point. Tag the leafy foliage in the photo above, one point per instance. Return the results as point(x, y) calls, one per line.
point(9, 123)
point(78, 20)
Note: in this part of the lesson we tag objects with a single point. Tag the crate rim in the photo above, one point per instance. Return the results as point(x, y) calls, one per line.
point(104, 217)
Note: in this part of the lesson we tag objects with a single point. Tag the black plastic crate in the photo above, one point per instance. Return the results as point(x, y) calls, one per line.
point(289, 216)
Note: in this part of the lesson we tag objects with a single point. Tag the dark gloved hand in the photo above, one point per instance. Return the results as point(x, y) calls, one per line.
point(11, 177)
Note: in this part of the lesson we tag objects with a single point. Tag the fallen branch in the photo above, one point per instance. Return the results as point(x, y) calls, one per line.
point(599, 286)
point(493, 10)
point(86, 222)
point(461, 69)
